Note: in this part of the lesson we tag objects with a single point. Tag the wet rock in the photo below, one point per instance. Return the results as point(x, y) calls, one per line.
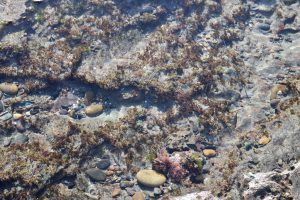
point(5, 116)
point(157, 191)
point(20, 126)
point(138, 196)
point(295, 177)
point(209, 152)
point(17, 116)
point(89, 97)
point(276, 89)
point(130, 191)
point(96, 174)
point(150, 178)
point(125, 184)
point(263, 27)
point(20, 139)
point(9, 88)
point(94, 110)
point(103, 164)
point(116, 192)
point(264, 140)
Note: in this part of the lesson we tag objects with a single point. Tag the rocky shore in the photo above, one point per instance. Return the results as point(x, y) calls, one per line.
point(138, 99)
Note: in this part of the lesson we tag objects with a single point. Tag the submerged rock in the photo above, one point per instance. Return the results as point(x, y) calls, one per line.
point(94, 110)
point(264, 140)
point(209, 152)
point(150, 178)
point(9, 88)
point(96, 174)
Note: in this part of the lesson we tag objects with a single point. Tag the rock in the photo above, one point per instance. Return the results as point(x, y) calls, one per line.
point(264, 140)
point(96, 174)
point(138, 196)
point(20, 139)
point(9, 88)
point(276, 89)
point(5, 116)
point(93, 110)
point(150, 178)
point(89, 97)
point(130, 191)
point(125, 184)
point(295, 178)
point(109, 173)
point(116, 192)
point(103, 164)
point(209, 152)
point(17, 116)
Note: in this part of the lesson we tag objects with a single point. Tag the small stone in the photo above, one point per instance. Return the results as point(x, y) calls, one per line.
point(116, 192)
point(17, 116)
point(96, 174)
point(125, 184)
point(9, 88)
point(264, 140)
point(209, 152)
point(93, 110)
point(130, 191)
point(150, 178)
point(138, 196)
point(103, 164)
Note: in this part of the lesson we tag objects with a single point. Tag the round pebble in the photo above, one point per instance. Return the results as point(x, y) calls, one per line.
point(264, 140)
point(96, 174)
point(150, 178)
point(209, 152)
point(93, 110)
point(9, 88)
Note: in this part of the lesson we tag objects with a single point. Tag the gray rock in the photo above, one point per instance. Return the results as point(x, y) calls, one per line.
point(96, 174)
point(103, 164)
point(20, 139)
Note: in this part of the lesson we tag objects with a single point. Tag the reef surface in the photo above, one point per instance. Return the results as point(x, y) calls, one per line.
point(140, 99)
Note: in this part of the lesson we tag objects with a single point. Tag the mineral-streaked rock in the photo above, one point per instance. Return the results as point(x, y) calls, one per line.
point(9, 88)
point(150, 178)
point(93, 110)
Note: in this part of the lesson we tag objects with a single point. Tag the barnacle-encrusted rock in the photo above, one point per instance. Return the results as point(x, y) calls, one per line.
point(9, 88)
point(150, 178)
point(209, 152)
point(93, 110)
